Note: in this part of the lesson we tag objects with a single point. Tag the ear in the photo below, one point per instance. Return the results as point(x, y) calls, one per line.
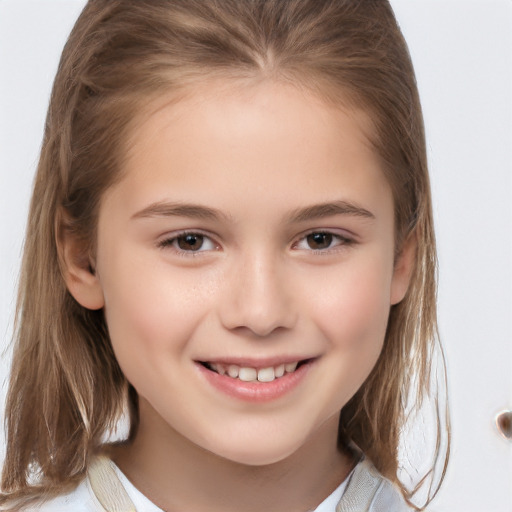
point(81, 279)
point(404, 266)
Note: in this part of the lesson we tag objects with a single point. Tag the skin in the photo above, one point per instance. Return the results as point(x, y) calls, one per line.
point(257, 288)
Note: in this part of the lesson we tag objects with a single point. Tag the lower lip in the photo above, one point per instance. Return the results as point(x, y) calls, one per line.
point(256, 391)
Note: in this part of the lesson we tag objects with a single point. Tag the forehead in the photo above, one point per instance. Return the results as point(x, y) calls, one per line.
point(222, 138)
point(282, 102)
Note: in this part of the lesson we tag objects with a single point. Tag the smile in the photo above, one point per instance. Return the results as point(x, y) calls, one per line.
point(249, 374)
point(253, 381)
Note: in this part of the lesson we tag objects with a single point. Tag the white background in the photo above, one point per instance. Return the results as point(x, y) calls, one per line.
point(462, 50)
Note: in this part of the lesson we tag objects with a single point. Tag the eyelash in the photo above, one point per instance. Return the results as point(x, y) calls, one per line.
point(341, 242)
point(171, 241)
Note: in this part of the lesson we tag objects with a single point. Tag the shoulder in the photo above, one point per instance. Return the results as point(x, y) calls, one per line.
point(367, 490)
point(104, 488)
point(79, 500)
point(389, 498)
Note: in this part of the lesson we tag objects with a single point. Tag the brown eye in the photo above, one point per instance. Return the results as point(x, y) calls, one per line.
point(190, 242)
point(319, 240)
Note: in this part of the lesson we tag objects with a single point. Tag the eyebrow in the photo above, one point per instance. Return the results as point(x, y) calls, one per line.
point(319, 211)
point(170, 209)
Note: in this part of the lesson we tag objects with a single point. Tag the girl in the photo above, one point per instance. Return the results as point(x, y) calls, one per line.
point(230, 241)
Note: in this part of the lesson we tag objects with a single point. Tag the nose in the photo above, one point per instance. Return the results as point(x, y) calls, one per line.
point(259, 296)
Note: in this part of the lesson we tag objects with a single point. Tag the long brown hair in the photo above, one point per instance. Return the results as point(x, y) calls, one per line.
point(67, 391)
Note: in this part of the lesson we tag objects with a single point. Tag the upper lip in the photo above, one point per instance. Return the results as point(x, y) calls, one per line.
point(251, 362)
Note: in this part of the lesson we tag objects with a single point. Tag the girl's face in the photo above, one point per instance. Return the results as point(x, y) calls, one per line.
point(252, 235)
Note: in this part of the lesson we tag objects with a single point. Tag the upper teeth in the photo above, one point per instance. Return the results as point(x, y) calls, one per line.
point(248, 374)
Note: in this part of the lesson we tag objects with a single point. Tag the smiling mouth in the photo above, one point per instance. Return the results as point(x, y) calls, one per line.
point(250, 374)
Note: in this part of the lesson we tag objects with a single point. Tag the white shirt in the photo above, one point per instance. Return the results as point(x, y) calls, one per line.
point(363, 491)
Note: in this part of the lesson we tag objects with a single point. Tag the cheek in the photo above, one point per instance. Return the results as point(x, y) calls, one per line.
point(354, 308)
point(352, 317)
point(151, 310)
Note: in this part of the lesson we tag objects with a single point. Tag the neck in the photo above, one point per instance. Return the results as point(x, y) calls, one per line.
point(176, 474)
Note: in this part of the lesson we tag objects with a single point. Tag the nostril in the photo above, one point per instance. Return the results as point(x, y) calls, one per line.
point(259, 302)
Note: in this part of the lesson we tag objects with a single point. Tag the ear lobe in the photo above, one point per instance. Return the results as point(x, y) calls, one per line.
point(403, 269)
point(81, 280)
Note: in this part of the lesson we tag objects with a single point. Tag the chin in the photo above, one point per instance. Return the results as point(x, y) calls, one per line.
point(257, 454)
